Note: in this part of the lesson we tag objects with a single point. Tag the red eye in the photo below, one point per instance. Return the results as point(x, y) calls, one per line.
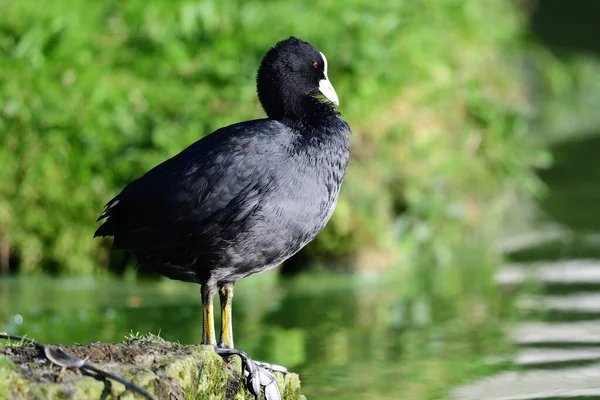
point(316, 64)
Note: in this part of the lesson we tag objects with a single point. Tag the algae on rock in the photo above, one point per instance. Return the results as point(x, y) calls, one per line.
point(168, 370)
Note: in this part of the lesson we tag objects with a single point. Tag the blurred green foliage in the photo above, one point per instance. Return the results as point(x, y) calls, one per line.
point(95, 93)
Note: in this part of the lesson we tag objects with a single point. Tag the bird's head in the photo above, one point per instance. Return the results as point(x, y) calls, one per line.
point(291, 77)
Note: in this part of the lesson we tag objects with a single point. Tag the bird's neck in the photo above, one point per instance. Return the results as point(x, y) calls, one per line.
point(307, 113)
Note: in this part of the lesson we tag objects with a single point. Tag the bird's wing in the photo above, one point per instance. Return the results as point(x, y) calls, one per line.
point(213, 183)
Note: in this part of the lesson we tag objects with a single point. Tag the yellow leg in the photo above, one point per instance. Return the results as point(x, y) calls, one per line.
point(208, 322)
point(226, 295)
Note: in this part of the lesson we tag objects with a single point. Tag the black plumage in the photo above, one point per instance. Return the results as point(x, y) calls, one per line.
point(244, 198)
point(248, 196)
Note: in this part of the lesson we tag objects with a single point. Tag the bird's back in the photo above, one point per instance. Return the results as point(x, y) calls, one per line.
point(239, 201)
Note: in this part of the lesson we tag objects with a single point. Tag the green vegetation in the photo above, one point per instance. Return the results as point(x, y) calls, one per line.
point(140, 336)
point(96, 93)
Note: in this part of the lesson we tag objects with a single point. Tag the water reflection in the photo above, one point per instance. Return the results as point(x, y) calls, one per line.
point(347, 341)
point(556, 356)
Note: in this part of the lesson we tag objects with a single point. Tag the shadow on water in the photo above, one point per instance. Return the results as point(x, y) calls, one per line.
point(572, 200)
point(567, 26)
point(574, 184)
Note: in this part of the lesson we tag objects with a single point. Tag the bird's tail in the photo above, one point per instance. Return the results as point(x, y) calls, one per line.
point(106, 229)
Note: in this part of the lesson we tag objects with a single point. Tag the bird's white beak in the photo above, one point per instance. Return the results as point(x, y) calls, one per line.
point(325, 86)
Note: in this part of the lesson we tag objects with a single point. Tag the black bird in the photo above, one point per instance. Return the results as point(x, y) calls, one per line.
point(248, 196)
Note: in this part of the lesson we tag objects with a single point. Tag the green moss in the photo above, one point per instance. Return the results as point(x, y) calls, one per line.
point(212, 382)
point(8, 377)
point(289, 385)
point(166, 369)
point(87, 389)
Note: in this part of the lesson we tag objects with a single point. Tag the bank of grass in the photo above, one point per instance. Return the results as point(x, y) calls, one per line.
point(96, 93)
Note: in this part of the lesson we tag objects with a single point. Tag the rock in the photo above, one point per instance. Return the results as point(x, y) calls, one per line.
point(167, 370)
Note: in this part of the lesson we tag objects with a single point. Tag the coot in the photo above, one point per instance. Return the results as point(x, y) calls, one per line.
point(246, 197)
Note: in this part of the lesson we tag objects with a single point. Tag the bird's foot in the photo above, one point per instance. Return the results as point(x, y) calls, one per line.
point(256, 374)
point(272, 367)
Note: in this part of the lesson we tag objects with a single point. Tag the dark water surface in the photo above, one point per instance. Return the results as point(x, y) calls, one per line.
point(346, 339)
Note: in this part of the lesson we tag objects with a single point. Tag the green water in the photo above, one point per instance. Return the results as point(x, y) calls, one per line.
point(347, 339)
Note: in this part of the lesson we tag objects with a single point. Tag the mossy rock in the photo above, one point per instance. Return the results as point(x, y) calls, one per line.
point(168, 370)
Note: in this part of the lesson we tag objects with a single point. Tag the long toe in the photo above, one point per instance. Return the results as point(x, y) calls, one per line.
point(256, 375)
point(267, 380)
point(272, 367)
